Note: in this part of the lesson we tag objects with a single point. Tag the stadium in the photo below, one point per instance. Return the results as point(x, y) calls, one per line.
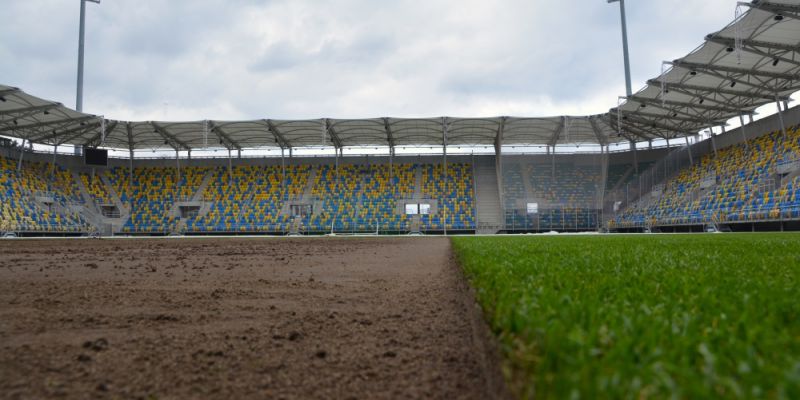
point(641, 252)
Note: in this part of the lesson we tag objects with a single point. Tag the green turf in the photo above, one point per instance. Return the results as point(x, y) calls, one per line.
point(642, 316)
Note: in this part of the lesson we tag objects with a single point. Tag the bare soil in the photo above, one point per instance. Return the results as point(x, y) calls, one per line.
point(240, 318)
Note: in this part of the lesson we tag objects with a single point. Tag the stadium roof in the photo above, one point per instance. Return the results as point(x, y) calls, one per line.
point(753, 61)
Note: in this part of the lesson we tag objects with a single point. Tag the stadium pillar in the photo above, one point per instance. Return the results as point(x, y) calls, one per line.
point(230, 166)
point(713, 140)
point(444, 173)
point(55, 150)
point(689, 149)
point(741, 130)
point(283, 172)
point(178, 164)
point(21, 154)
point(130, 167)
point(391, 162)
point(636, 156)
point(780, 116)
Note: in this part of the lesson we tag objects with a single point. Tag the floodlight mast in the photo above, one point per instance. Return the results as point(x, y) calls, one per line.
point(624, 46)
point(81, 31)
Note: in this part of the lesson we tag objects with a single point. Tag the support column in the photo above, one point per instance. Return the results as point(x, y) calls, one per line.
point(444, 173)
point(636, 156)
point(780, 116)
point(741, 130)
point(130, 167)
point(178, 164)
point(283, 171)
point(55, 150)
point(21, 154)
point(230, 166)
point(713, 141)
point(689, 149)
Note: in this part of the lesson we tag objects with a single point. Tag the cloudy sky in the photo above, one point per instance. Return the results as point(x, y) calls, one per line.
point(243, 59)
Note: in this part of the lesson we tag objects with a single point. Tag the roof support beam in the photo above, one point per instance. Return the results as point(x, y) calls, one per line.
point(633, 117)
point(109, 127)
point(558, 131)
point(9, 91)
point(732, 70)
point(629, 127)
point(789, 10)
point(129, 131)
point(34, 109)
point(327, 126)
point(757, 47)
point(224, 136)
point(277, 134)
point(687, 88)
point(81, 131)
point(597, 132)
point(172, 141)
point(731, 42)
point(60, 122)
point(389, 136)
point(498, 139)
point(668, 117)
point(646, 100)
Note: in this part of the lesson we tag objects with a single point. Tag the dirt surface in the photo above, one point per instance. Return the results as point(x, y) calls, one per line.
point(238, 318)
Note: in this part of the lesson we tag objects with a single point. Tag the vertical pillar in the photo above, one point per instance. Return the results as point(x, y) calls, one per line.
point(283, 172)
point(744, 135)
point(178, 164)
point(444, 173)
point(636, 156)
point(230, 166)
point(21, 154)
point(713, 140)
point(55, 150)
point(130, 167)
point(780, 117)
point(689, 149)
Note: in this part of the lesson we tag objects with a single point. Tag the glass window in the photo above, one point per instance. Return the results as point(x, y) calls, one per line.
point(424, 209)
point(412, 209)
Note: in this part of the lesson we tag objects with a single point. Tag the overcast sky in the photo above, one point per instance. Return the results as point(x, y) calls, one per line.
point(245, 59)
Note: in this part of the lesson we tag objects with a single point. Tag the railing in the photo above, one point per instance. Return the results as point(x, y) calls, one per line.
point(557, 219)
point(747, 215)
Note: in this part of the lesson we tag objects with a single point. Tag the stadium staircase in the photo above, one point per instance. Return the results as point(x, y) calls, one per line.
point(489, 210)
point(124, 210)
point(90, 210)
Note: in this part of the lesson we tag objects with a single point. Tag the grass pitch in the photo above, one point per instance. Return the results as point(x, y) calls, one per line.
point(642, 316)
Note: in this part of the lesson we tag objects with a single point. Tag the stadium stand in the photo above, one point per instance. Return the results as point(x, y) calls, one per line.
point(31, 203)
point(743, 182)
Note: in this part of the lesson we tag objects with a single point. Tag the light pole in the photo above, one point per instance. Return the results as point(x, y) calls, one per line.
point(628, 91)
point(79, 94)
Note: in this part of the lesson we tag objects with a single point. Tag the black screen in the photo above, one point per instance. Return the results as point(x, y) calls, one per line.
point(96, 157)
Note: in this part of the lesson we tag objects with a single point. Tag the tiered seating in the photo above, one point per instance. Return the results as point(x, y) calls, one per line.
point(746, 187)
point(617, 171)
point(152, 194)
point(96, 189)
point(249, 200)
point(454, 195)
point(18, 209)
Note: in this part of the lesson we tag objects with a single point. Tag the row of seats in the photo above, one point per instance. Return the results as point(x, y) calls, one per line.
point(740, 183)
point(37, 198)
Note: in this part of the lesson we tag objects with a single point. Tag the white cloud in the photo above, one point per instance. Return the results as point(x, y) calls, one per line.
point(241, 59)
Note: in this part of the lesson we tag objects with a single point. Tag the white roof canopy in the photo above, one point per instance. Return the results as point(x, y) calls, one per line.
point(753, 61)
